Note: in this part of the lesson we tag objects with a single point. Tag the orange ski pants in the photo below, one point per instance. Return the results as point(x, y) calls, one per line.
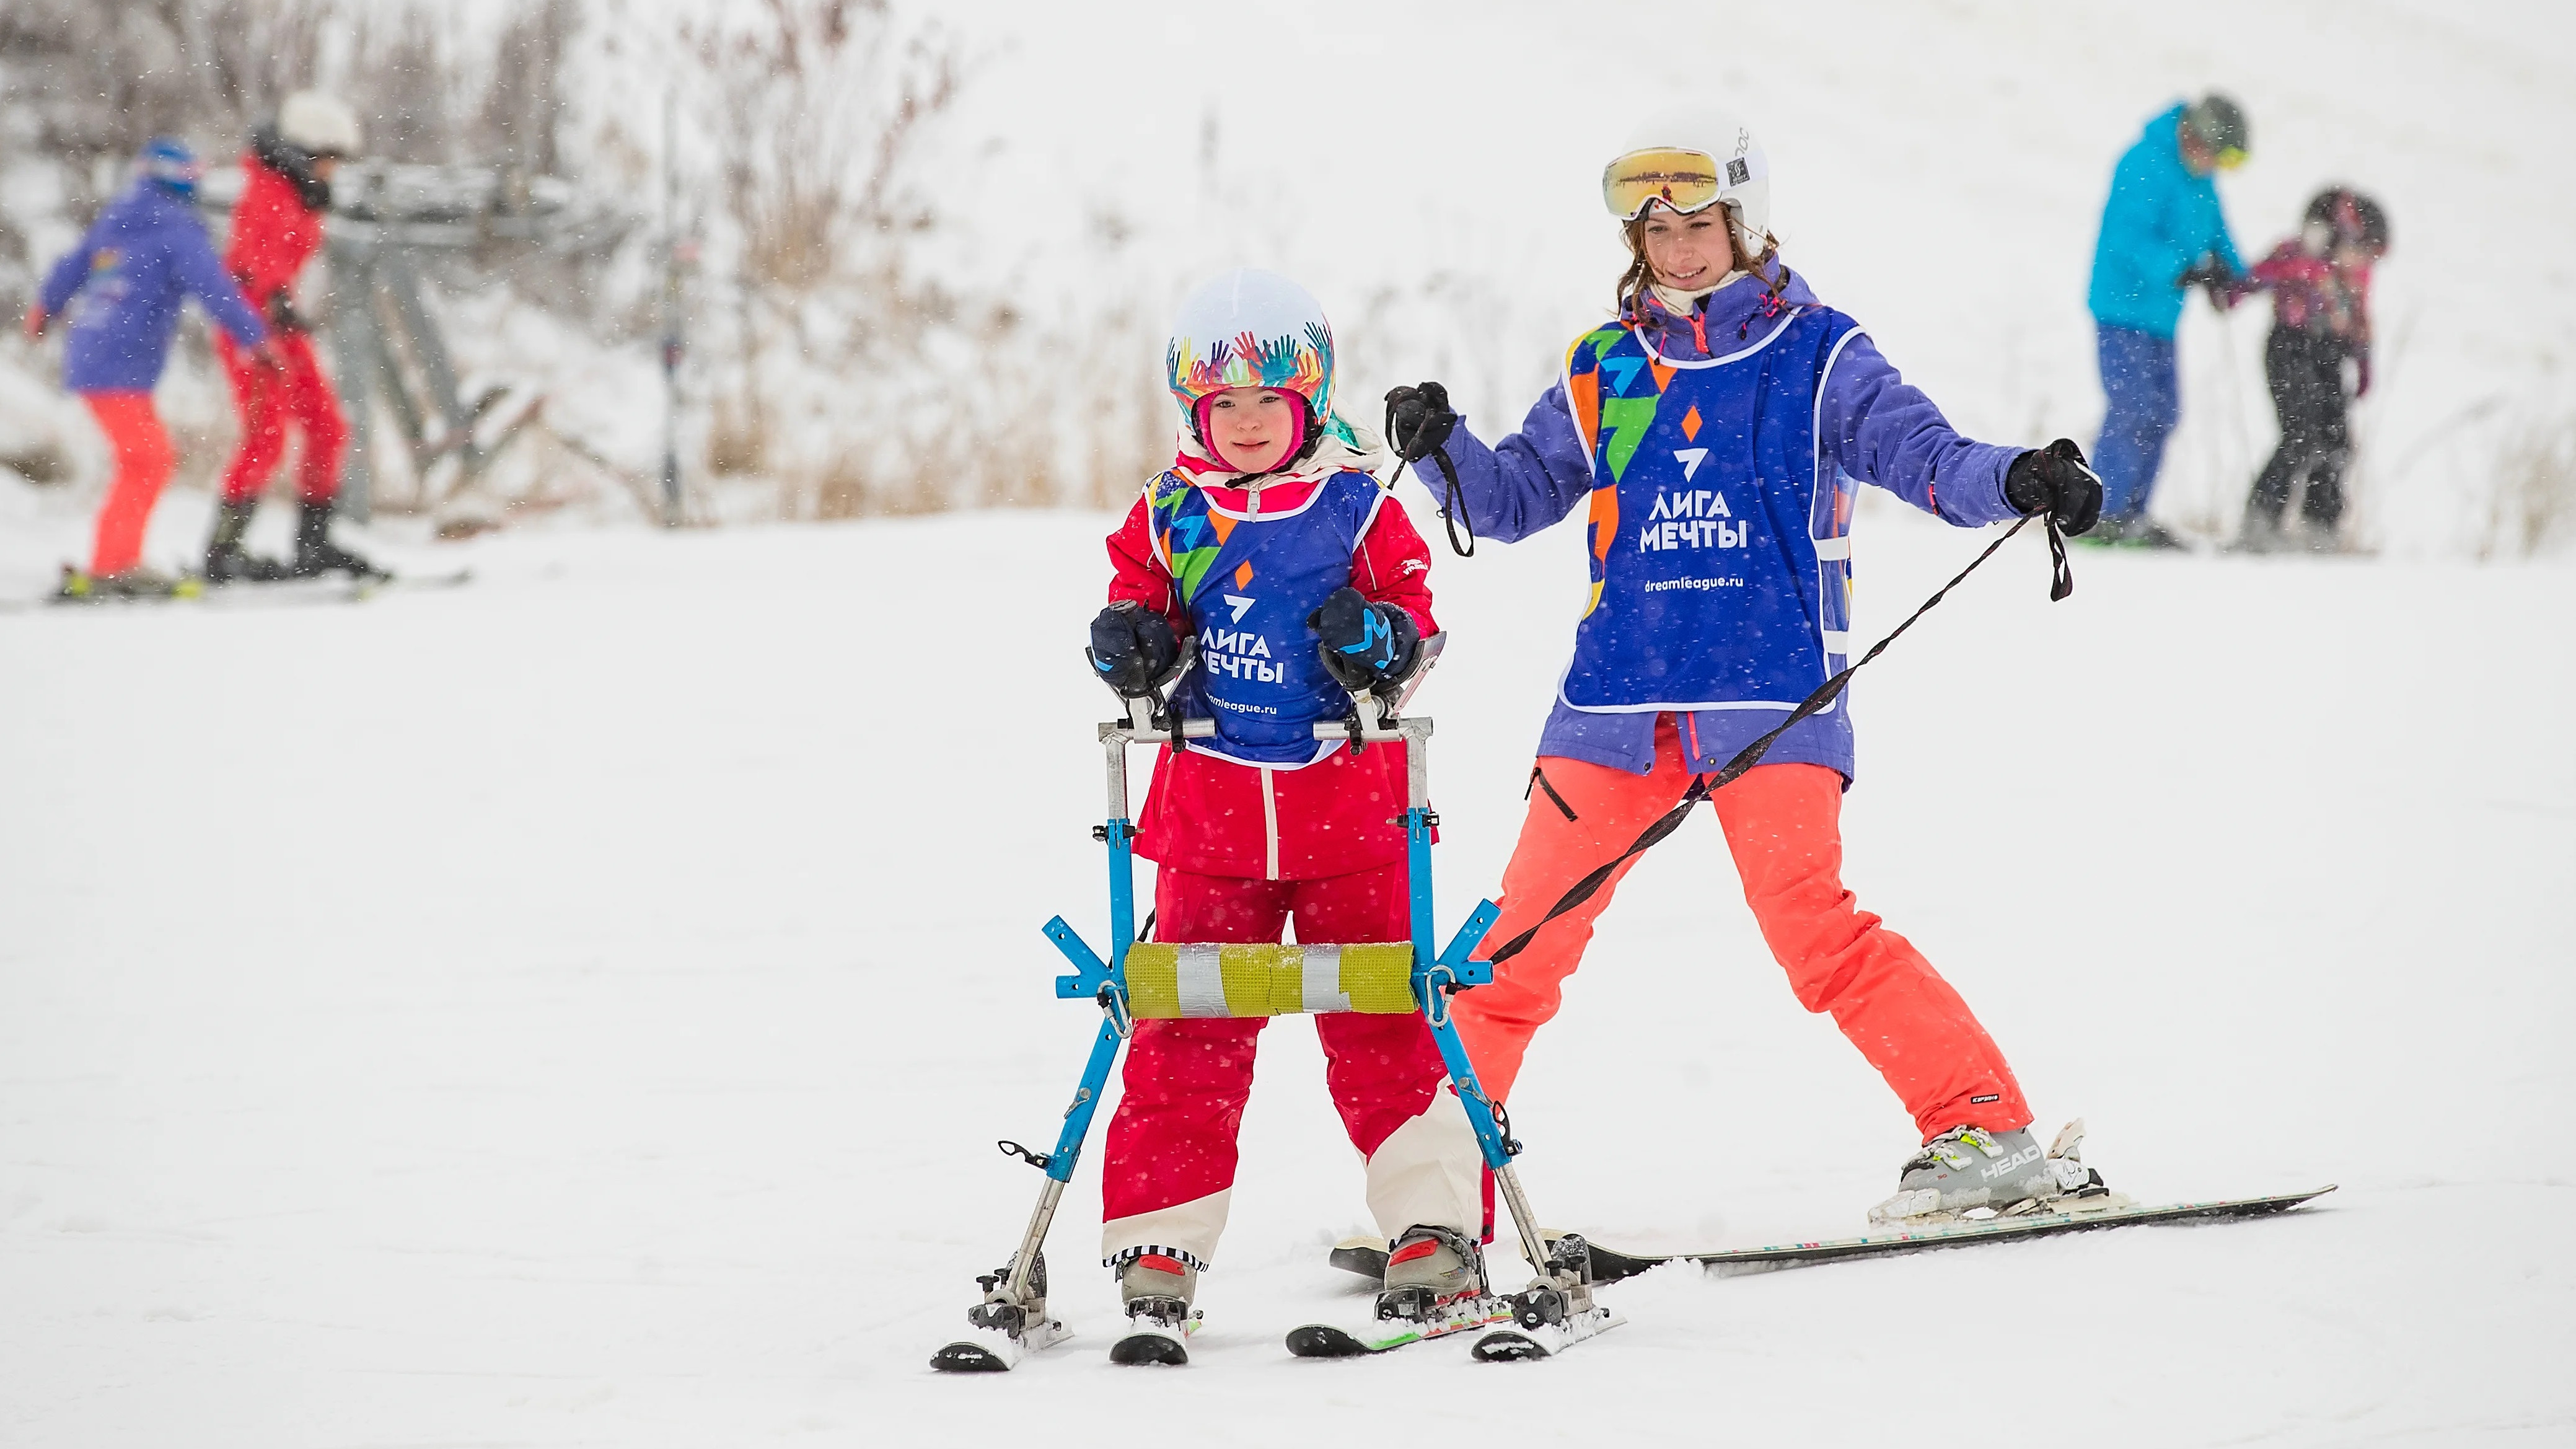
point(144, 462)
point(268, 399)
point(1783, 824)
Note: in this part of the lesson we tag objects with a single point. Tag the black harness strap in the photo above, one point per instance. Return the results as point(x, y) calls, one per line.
point(1539, 781)
point(2061, 583)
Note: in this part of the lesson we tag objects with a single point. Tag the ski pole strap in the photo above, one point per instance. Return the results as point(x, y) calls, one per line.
point(2061, 583)
point(1167, 981)
point(1453, 498)
point(1453, 506)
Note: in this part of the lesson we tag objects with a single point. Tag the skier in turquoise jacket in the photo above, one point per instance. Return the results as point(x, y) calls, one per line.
point(2162, 233)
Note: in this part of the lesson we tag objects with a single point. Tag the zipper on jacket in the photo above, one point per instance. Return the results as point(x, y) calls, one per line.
point(1270, 821)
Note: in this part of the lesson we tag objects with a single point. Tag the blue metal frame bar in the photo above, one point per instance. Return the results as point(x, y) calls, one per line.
point(1435, 977)
point(1086, 1100)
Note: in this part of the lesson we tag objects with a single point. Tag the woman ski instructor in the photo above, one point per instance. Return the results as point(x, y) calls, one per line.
point(1713, 432)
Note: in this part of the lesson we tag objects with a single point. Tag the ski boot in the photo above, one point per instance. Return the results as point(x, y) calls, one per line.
point(226, 560)
point(2147, 533)
point(1156, 1289)
point(1432, 1273)
point(2261, 534)
point(316, 554)
point(1971, 1171)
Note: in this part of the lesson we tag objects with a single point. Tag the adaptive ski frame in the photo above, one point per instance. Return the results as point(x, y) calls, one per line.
point(1561, 1290)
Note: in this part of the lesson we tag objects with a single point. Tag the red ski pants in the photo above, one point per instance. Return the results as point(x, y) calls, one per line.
point(1168, 1168)
point(269, 399)
point(144, 462)
point(1783, 824)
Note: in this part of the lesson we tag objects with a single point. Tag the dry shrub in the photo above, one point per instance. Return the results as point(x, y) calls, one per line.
point(737, 439)
point(2533, 505)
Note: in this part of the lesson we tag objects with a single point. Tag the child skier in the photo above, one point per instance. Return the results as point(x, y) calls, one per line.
point(277, 227)
point(123, 284)
point(1269, 542)
point(2320, 285)
point(1714, 430)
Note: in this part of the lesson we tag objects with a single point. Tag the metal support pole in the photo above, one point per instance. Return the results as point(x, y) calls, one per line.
point(670, 310)
point(353, 349)
point(1068, 1150)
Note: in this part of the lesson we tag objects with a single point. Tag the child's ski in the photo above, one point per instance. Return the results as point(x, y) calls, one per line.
point(1327, 1340)
point(1154, 1339)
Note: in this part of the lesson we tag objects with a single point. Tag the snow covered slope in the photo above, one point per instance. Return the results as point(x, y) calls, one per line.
point(578, 1008)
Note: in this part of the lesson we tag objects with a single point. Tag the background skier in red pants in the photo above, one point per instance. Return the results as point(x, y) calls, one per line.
point(277, 227)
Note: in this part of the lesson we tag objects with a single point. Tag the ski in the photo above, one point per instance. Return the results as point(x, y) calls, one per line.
point(990, 1350)
point(1366, 1257)
point(1609, 1265)
point(1520, 1343)
point(1156, 1341)
point(192, 589)
point(1328, 1340)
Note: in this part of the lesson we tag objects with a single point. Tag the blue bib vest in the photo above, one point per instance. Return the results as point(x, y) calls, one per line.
point(1719, 533)
point(1249, 580)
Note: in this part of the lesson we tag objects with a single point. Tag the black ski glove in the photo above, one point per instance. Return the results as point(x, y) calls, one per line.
point(1418, 420)
point(2054, 480)
point(2213, 276)
point(1364, 643)
point(282, 314)
point(1131, 647)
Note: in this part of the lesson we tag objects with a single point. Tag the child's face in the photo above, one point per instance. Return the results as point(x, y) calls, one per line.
point(1688, 252)
point(1252, 428)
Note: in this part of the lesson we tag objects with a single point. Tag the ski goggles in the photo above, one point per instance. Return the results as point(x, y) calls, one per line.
point(1686, 181)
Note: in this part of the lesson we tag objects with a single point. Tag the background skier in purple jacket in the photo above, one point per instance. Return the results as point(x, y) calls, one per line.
point(1715, 432)
point(118, 293)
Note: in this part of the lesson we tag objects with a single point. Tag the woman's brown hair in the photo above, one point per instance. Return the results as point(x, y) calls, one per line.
point(1633, 282)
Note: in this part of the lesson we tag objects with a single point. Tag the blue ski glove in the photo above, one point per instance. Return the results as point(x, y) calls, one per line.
point(1131, 647)
point(1364, 644)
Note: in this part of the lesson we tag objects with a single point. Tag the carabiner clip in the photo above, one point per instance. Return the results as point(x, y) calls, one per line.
point(1113, 1000)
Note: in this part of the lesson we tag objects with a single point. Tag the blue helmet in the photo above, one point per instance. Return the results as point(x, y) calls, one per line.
point(170, 164)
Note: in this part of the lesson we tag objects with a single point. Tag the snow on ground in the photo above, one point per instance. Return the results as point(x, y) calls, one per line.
point(578, 1008)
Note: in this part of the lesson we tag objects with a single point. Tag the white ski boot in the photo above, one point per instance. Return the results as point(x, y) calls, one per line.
point(1971, 1172)
point(1156, 1290)
point(1431, 1272)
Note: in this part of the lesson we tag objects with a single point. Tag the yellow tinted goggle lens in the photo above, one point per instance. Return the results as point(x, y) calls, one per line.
point(1686, 181)
point(2230, 158)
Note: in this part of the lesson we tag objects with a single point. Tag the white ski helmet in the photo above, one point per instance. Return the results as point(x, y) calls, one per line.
point(1657, 167)
point(318, 124)
point(1251, 328)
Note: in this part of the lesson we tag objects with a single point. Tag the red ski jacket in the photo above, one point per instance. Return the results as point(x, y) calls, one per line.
point(273, 234)
point(1216, 817)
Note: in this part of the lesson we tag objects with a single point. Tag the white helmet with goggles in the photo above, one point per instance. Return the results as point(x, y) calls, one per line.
point(318, 124)
point(1689, 162)
point(1251, 328)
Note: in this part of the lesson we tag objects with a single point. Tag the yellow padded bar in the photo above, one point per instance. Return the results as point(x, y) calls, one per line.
point(1167, 981)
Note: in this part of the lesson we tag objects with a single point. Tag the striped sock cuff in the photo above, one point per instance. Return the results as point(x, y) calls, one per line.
point(1125, 1256)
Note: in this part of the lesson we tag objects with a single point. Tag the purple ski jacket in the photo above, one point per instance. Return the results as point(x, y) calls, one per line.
point(1876, 428)
point(145, 254)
